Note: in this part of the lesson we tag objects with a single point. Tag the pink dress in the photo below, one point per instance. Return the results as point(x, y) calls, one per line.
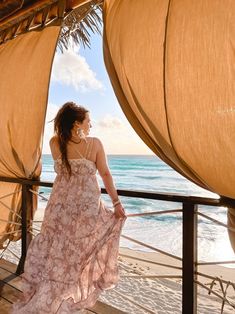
point(74, 257)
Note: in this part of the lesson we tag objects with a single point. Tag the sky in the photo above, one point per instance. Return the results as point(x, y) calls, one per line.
point(79, 75)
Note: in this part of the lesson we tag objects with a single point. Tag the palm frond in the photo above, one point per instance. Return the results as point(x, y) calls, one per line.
point(80, 23)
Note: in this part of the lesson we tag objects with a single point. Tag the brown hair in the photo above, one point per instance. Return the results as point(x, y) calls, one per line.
point(63, 124)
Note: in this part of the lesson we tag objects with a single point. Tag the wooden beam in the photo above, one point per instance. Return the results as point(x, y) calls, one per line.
point(24, 13)
point(74, 4)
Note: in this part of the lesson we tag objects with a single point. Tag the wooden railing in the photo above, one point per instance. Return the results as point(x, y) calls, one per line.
point(189, 238)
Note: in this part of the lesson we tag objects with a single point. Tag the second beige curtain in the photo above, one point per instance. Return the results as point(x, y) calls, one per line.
point(171, 64)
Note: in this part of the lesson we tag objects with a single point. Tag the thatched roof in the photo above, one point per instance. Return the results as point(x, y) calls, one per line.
point(80, 18)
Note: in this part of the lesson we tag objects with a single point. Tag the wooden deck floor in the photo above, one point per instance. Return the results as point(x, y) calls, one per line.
point(10, 290)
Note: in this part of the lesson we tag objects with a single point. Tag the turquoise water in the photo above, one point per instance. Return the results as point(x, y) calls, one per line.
point(149, 173)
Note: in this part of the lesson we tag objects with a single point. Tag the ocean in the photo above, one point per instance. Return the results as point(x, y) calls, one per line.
point(149, 173)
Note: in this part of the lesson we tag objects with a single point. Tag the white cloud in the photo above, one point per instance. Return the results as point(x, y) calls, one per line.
point(110, 122)
point(118, 137)
point(71, 69)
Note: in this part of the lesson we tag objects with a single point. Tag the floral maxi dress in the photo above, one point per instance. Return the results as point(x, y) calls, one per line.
point(74, 257)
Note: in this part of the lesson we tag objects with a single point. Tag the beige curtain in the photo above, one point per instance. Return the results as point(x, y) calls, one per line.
point(25, 66)
point(171, 64)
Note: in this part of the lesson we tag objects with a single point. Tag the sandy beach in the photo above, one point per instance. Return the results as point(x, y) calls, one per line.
point(161, 295)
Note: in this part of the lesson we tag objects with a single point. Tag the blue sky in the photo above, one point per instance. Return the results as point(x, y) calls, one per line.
point(79, 75)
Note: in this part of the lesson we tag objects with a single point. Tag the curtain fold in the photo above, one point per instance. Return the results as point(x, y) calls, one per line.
point(25, 67)
point(171, 64)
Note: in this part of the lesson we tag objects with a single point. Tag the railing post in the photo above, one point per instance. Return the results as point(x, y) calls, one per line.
point(189, 293)
point(26, 216)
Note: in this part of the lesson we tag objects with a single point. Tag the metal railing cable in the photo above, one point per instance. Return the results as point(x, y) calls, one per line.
point(211, 277)
point(33, 228)
point(11, 222)
point(151, 247)
point(160, 212)
point(34, 234)
point(10, 194)
point(11, 232)
point(39, 194)
point(215, 263)
point(14, 212)
point(216, 221)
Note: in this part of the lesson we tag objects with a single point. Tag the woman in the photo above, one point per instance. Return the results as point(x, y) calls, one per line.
point(74, 258)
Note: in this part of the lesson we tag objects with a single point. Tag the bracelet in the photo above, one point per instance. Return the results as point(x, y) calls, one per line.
point(115, 200)
point(116, 203)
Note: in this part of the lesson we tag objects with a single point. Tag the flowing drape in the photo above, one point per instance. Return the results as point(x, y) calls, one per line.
point(171, 64)
point(25, 67)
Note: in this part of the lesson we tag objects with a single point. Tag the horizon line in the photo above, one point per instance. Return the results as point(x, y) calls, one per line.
point(120, 154)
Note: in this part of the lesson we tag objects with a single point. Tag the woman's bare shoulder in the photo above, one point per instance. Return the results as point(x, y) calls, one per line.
point(54, 139)
point(54, 146)
point(96, 140)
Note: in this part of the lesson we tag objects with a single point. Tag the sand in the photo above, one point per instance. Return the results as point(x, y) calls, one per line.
point(162, 296)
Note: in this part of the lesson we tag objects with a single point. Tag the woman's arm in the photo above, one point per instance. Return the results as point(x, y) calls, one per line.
point(103, 169)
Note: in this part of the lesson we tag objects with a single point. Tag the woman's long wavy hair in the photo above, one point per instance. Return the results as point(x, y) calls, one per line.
point(63, 124)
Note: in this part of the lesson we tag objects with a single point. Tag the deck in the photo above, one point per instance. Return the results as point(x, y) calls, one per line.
point(10, 289)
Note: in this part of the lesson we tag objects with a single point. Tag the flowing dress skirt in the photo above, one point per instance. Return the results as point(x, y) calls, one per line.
point(74, 257)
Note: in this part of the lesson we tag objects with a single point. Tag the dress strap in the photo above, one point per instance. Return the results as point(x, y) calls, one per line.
point(89, 148)
point(85, 155)
point(79, 153)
